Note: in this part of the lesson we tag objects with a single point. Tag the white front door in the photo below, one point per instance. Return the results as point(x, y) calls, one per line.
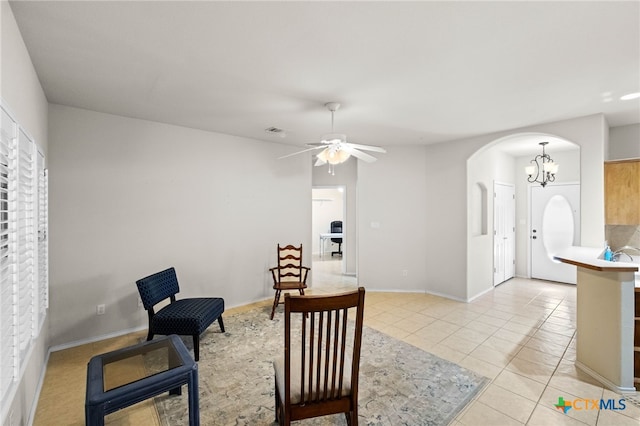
point(504, 232)
point(555, 225)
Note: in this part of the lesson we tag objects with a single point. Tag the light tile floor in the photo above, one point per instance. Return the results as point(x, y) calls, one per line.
point(521, 335)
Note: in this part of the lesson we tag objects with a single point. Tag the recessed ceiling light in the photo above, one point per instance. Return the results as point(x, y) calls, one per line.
point(630, 96)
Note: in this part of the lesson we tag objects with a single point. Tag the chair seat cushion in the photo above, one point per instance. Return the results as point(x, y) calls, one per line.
point(188, 316)
point(296, 395)
point(289, 285)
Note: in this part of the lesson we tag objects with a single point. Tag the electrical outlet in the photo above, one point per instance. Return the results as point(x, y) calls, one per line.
point(404, 273)
point(100, 310)
point(140, 305)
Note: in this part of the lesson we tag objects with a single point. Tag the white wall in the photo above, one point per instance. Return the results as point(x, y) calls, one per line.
point(19, 84)
point(22, 93)
point(121, 181)
point(446, 219)
point(392, 193)
point(132, 197)
point(447, 183)
point(624, 142)
point(489, 166)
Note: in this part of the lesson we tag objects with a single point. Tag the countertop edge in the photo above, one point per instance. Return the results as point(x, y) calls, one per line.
point(587, 257)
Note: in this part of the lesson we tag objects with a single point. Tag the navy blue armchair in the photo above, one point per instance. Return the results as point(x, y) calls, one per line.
point(184, 317)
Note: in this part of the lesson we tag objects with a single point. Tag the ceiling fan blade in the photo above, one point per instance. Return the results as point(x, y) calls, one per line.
point(367, 147)
point(362, 155)
point(299, 152)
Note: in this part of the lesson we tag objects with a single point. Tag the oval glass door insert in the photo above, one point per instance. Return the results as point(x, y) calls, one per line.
point(557, 226)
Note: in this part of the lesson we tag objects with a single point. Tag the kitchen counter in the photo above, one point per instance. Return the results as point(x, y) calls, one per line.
point(604, 317)
point(587, 257)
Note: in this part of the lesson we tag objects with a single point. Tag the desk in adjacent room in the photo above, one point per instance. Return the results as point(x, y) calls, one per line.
point(325, 236)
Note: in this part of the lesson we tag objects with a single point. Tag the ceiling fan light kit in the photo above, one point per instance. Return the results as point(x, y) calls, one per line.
point(330, 138)
point(336, 149)
point(333, 156)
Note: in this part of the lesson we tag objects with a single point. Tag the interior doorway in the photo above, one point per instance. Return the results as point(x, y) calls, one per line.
point(504, 232)
point(555, 226)
point(328, 227)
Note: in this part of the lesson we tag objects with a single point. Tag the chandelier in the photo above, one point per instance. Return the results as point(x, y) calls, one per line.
point(542, 169)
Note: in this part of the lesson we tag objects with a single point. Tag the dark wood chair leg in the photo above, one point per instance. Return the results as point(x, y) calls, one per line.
point(276, 300)
point(352, 418)
point(149, 335)
point(277, 404)
point(196, 346)
point(221, 323)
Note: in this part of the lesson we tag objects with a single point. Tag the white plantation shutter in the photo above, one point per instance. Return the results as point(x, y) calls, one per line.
point(8, 277)
point(26, 242)
point(43, 246)
point(24, 276)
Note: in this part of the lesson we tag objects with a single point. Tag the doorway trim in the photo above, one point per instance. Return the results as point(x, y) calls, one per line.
point(345, 225)
point(510, 221)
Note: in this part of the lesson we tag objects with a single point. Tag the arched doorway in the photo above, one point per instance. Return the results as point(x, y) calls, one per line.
point(503, 161)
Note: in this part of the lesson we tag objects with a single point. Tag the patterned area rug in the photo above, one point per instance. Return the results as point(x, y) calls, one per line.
point(399, 383)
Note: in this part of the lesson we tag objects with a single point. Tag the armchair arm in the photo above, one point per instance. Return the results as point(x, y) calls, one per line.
point(305, 272)
point(304, 276)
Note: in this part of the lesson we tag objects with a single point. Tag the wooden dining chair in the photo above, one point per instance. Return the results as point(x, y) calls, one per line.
point(290, 274)
point(318, 373)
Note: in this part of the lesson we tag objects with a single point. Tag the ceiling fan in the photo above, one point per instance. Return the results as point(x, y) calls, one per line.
point(336, 149)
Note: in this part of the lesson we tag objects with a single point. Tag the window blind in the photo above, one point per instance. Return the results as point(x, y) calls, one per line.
point(43, 246)
point(24, 277)
point(8, 278)
point(26, 243)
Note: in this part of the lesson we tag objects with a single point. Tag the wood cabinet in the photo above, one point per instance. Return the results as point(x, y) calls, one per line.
point(622, 192)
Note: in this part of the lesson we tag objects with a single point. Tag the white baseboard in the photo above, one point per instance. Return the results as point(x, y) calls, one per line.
point(480, 294)
point(36, 398)
point(433, 293)
point(96, 338)
point(446, 296)
point(394, 290)
point(608, 383)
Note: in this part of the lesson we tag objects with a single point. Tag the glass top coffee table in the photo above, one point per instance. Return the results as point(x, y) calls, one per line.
point(112, 383)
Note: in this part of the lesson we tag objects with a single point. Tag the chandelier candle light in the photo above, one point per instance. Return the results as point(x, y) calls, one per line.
point(542, 166)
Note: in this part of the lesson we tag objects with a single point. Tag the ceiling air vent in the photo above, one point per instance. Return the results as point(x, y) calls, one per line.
point(276, 131)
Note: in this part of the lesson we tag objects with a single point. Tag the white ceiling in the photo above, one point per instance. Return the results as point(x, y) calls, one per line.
point(527, 144)
point(405, 72)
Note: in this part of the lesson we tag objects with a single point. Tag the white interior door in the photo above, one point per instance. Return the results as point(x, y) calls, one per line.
point(504, 232)
point(555, 225)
